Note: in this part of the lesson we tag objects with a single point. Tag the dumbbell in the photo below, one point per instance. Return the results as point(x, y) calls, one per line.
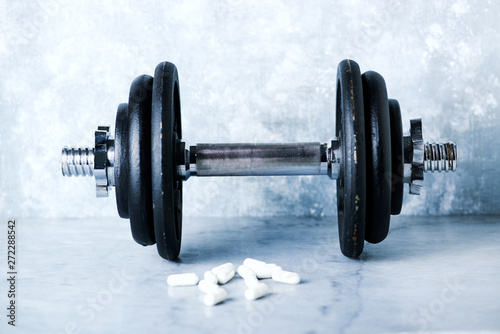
point(147, 160)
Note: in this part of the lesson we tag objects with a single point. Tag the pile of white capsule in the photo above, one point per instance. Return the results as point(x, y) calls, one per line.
point(251, 271)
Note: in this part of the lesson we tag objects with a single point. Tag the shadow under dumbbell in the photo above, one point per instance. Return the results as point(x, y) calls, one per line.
point(271, 238)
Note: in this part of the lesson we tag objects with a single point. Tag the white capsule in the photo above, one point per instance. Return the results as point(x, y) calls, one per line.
point(265, 270)
point(260, 268)
point(215, 297)
point(224, 272)
point(257, 291)
point(207, 287)
point(210, 277)
point(252, 262)
point(248, 275)
point(226, 267)
point(225, 276)
point(182, 279)
point(244, 271)
point(288, 277)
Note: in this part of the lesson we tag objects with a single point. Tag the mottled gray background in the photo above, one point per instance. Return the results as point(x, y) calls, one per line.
point(260, 71)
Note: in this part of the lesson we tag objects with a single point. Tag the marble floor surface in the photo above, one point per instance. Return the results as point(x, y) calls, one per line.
point(432, 274)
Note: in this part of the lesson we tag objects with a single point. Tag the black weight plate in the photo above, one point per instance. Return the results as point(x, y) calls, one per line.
point(378, 157)
point(397, 157)
point(351, 184)
point(121, 160)
point(167, 186)
point(139, 176)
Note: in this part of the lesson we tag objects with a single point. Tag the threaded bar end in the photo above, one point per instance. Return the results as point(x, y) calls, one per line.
point(440, 157)
point(77, 161)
